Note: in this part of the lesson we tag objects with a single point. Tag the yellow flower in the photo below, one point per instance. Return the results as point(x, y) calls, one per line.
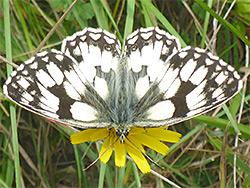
point(150, 137)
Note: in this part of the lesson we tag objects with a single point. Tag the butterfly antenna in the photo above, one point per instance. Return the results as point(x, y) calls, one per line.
point(90, 165)
point(145, 155)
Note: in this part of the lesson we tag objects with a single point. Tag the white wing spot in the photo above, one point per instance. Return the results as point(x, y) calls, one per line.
point(44, 53)
point(27, 97)
point(222, 63)
point(169, 42)
point(83, 38)
point(159, 37)
point(165, 49)
point(199, 75)
point(45, 59)
point(109, 34)
point(217, 92)
point(146, 36)
point(55, 72)
point(30, 60)
point(199, 50)
point(196, 95)
point(75, 81)
point(132, 40)
point(34, 65)
point(83, 112)
point(212, 56)
point(209, 61)
point(168, 79)
point(220, 78)
point(236, 75)
point(173, 88)
point(71, 92)
point(95, 36)
point(109, 40)
point(25, 72)
point(45, 79)
point(187, 70)
point(218, 68)
point(154, 70)
point(148, 29)
point(23, 83)
point(77, 51)
point(47, 98)
point(21, 67)
point(101, 87)
point(142, 86)
point(161, 111)
point(183, 54)
point(196, 55)
point(72, 43)
point(230, 68)
point(59, 57)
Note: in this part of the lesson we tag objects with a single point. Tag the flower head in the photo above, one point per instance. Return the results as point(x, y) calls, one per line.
point(133, 144)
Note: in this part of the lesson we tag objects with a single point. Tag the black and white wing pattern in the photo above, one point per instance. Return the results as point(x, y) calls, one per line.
point(69, 86)
point(91, 84)
point(175, 84)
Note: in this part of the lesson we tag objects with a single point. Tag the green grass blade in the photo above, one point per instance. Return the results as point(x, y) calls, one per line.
point(163, 20)
point(121, 173)
point(119, 36)
point(230, 117)
point(206, 22)
point(78, 164)
point(24, 25)
point(224, 22)
point(102, 19)
point(147, 16)
point(12, 107)
point(129, 18)
point(101, 174)
point(136, 176)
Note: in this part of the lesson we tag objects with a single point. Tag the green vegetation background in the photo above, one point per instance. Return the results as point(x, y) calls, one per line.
point(37, 153)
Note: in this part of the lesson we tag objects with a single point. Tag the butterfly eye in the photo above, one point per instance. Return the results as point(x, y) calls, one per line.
point(134, 47)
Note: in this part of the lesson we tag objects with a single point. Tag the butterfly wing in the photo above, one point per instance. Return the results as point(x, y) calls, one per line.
point(69, 86)
point(186, 83)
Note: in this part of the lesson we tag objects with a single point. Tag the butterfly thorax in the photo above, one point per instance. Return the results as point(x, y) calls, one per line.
point(122, 101)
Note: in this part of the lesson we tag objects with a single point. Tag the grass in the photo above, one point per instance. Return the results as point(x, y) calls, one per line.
point(214, 149)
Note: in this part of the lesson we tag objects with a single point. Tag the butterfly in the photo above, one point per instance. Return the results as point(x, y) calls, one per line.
point(93, 83)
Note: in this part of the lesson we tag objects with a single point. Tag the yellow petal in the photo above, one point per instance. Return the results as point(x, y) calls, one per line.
point(135, 141)
point(138, 158)
point(106, 150)
point(152, 143)
point(120, 157)
point(136, 130)
point(83, 136)
point(164, 135)
point(99, 134)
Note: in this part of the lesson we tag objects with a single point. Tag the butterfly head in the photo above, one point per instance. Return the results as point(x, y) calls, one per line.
point(122, 132)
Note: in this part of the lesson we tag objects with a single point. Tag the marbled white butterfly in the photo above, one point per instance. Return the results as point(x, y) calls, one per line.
point(90, 83)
